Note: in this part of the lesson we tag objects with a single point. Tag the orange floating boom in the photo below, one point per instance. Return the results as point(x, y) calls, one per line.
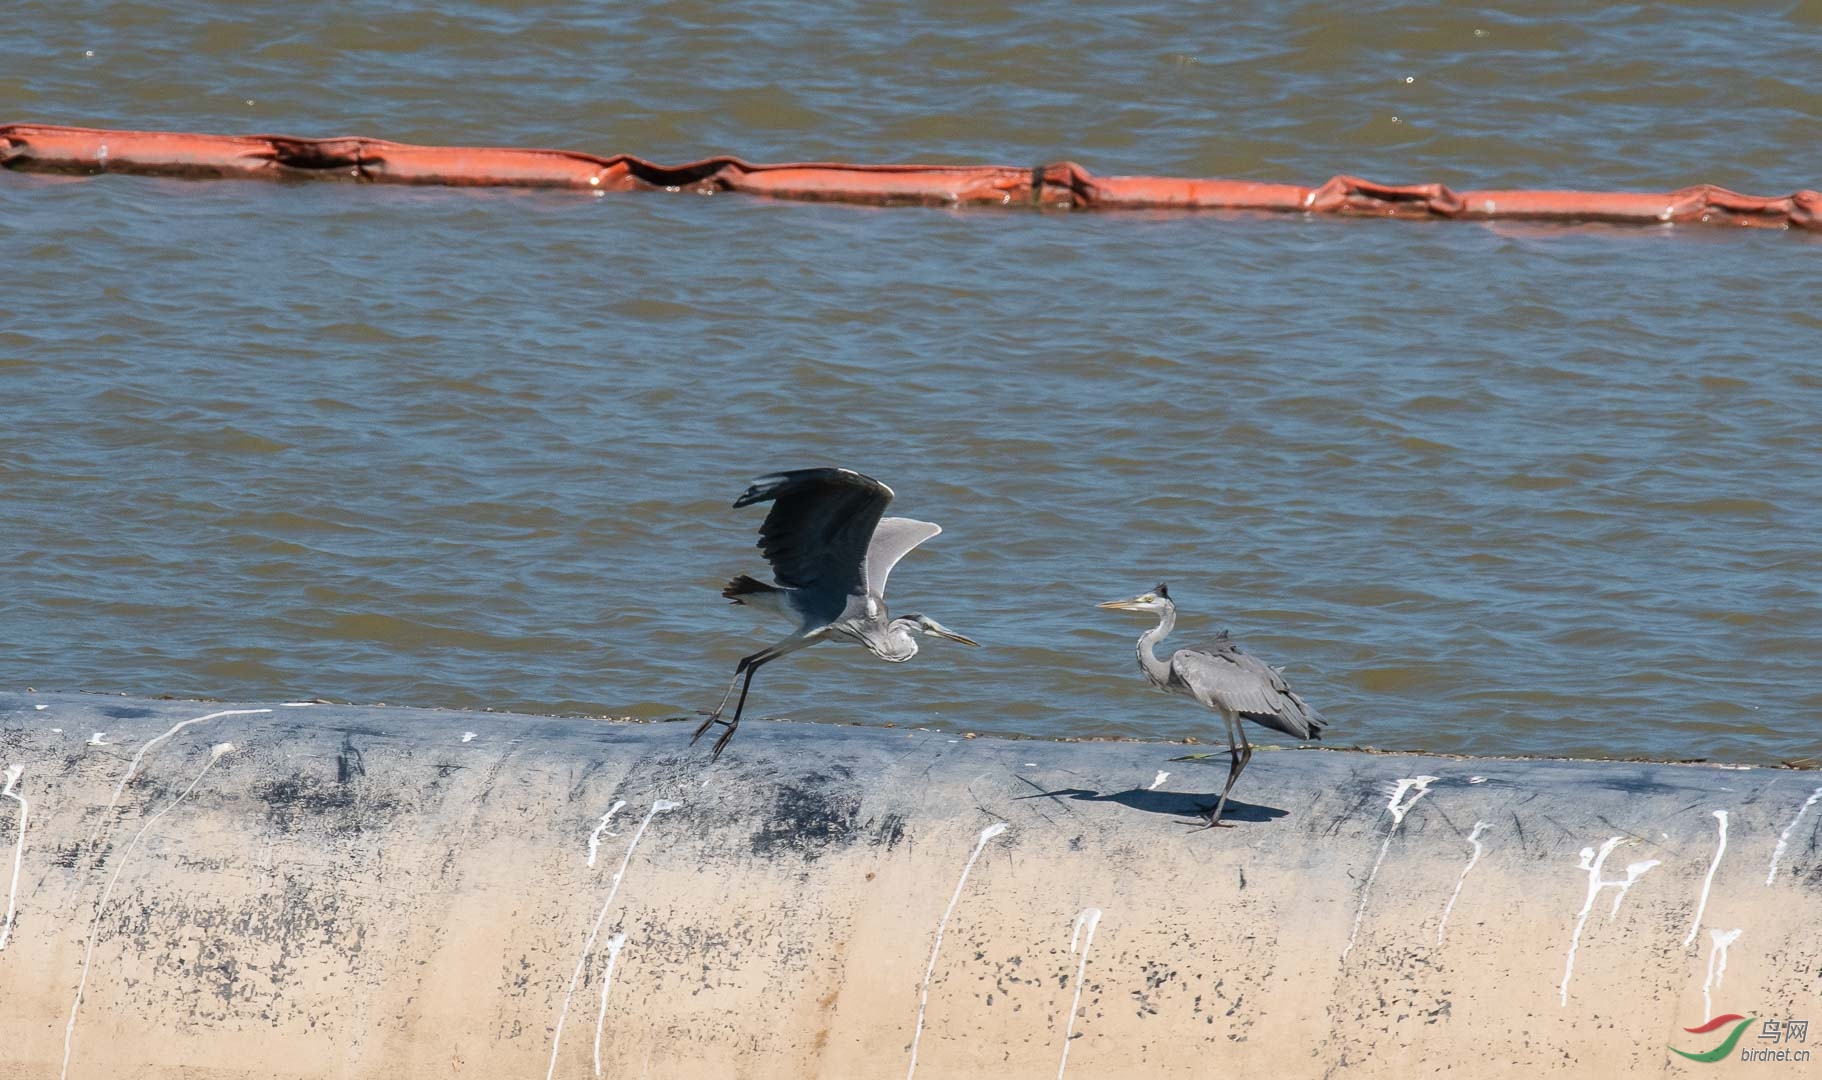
point(89, 151)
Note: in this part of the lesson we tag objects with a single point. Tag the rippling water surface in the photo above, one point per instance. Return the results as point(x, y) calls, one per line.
point(1491, 490)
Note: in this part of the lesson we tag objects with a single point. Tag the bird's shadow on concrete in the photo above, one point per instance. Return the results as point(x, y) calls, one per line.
point(1179, 804)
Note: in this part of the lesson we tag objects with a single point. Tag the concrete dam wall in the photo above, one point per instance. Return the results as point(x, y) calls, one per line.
point(300, 890)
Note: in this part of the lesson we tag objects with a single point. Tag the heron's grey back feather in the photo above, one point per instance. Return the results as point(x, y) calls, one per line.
point(1221, 676)
point(817, 532)
point(893, 539)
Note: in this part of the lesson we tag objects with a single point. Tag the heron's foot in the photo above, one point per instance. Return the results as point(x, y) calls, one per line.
point(1205, 823)
point(1211, 817)
point(721, 743)
point(1209, 823)
point(713, 719)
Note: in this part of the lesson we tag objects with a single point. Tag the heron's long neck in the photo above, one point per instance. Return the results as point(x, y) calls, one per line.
point(1158, 671)
point(896, 645)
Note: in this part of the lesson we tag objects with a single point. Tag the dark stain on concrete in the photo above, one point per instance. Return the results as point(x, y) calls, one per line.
point(348, 760)
point(207, 960)
point(296, 803)
point(67, 855)
point(365, 732)
point(809, 815)
point(888, 831)
point(124, 712)
point(1638, 783)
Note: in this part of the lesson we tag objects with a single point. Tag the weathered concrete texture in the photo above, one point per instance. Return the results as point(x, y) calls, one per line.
point(374, 892)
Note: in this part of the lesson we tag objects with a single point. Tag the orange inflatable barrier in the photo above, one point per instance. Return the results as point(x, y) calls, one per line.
point(88, 151)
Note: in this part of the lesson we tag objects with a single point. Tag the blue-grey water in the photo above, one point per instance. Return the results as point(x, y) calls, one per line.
point(1479, 489)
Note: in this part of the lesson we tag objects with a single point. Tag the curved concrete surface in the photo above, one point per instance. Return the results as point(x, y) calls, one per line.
point(228, 891)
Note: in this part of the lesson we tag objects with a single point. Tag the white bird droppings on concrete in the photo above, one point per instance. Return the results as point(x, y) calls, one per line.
point(614, 945)
point(1592, 863)
point(1419, 786)
point(1777, 853)
point(468, 736)
point(1088, 919)
point(216, 753)
point(1634, 871)
point(594, 838)
point(923, 1000)
point(588, 944)
point(133, 766)
point(1158, 780)
point(13, 773)
point(1473, 838)
point(1701, 906)
point(1717, 950)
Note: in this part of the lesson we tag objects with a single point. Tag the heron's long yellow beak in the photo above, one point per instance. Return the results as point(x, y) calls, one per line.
point(935, 629)
point(1119, 605)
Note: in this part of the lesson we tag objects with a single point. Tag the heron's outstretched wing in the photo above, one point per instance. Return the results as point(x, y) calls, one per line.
point(892, 541)
point(816, 534)
point(1223, 676)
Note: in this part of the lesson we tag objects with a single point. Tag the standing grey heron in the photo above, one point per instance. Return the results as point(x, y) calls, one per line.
point(1238, 685)
point(831, 552)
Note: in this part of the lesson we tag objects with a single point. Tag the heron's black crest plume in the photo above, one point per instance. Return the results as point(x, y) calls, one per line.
point(1162, 591)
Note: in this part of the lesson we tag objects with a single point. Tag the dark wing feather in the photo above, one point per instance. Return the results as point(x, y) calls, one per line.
point(1222, 676)
point(817, 532)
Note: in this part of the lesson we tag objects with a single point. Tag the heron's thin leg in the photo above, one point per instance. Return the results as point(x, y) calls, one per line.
point(1246, 752)
point(715, 717)
point(747, 666)
point(722, 742)
point(739, 669)
point(1240, 752)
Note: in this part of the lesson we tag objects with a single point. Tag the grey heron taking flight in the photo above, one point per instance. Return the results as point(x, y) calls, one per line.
point(1236, 684)
point(831, 552)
